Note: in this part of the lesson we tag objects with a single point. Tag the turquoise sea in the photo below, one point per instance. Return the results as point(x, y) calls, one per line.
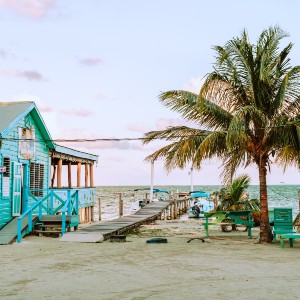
point(278, 196)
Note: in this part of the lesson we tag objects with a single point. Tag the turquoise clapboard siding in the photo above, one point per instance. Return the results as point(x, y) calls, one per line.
point(86, 196)
point(9, 148)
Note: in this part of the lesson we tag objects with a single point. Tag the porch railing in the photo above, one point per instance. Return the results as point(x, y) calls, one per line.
point(70, 206)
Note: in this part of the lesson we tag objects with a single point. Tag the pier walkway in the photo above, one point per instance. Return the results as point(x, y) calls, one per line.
point(103, 230)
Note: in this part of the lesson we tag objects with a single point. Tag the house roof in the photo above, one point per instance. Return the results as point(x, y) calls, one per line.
point(12, 112)
point(73, 153)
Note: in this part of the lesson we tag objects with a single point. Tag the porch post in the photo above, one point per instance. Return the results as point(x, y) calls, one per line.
point(59, 170)
point(53, 175)
point(86, 175)
point(91, 175)
point(69, 175)
point(78, 174)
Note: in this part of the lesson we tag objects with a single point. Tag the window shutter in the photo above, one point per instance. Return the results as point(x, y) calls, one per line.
point(37, 179)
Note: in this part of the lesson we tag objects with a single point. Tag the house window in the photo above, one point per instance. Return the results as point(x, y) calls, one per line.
point(6, 163)
point(37, 179)
point(6, 177)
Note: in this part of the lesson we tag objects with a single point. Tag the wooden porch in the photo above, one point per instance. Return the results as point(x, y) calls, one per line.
point(67, 163)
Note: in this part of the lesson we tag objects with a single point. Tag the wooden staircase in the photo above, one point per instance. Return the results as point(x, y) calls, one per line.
point(51, 225)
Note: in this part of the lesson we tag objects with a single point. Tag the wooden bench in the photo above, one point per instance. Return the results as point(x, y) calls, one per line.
point(240, 217)
point(283, 222)
point(290, 236)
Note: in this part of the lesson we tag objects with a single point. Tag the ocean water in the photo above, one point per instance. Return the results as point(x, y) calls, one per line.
point(278, 196)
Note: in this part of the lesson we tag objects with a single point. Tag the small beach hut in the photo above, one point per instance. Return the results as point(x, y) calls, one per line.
point(31, 168)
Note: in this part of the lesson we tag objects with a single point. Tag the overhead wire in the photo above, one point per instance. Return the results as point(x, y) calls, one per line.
point(109, 139)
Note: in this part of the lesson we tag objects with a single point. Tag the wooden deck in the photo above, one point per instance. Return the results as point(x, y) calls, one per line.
point(150, 212)
point(8, 233)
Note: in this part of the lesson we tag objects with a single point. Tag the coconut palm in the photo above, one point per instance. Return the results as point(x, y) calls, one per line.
point(247, 111)
point(234, 196)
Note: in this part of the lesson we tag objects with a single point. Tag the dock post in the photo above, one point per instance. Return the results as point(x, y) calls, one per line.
point(175, 208)
point(99, 208)
point(146, 198)
point(120, 205)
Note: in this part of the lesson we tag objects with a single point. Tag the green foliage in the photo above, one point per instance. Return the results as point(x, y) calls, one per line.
point(234, 196)
point(247, 111)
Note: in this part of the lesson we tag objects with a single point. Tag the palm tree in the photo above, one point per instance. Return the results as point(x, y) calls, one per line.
point(234, 196)
point(247, 111)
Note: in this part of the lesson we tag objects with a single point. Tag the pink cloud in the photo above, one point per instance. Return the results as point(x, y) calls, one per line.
point(29, 75)
point(89, 141)
point(119, 145)
point(5, 55)
point(8, 73)
point(101, 97)
point(138, 127)
point(45, 108)
point(122, 145)
point(78, 112)
point(115, 158)
point(91, 61)
point(33, 9)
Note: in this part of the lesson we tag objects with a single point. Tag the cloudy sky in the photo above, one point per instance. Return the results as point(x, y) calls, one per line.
point(95, 69)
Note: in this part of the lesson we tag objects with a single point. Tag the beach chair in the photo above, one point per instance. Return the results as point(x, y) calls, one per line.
point(283, 222)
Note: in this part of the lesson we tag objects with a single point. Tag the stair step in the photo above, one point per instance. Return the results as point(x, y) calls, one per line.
point(54, 218)
point(49, 233)
point(49, 226)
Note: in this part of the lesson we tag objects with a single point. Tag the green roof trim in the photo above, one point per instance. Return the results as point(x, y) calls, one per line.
point(12, 112)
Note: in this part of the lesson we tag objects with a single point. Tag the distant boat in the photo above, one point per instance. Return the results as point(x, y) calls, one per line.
point(203, 203)
point(142, 202)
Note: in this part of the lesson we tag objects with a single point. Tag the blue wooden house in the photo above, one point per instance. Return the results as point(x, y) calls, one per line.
point(32, 169)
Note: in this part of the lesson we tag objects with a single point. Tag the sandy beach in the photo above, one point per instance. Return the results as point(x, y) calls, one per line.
point(227, 266)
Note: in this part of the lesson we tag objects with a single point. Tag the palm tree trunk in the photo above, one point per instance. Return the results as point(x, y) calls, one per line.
point(265, 232)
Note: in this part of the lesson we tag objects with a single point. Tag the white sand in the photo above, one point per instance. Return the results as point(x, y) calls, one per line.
point(230, 268)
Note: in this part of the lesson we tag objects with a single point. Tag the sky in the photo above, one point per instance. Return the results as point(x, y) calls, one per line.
point(95, 69)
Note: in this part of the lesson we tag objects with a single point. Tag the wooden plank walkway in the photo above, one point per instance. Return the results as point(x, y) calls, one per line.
point(150, 212)
point(8, 233)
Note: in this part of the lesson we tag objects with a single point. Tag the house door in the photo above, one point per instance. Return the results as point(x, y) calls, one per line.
point(16, 189)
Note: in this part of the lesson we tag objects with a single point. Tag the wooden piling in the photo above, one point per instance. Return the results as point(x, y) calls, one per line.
point(175, 208)
point(120, 205)
point(92, 212)
point(99, 208)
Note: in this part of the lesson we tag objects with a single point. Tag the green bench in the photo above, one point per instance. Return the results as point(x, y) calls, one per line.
point(290, 236)
point(283, 222)
point(240, 217)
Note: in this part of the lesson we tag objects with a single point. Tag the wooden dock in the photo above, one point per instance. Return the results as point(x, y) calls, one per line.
point(152, 211)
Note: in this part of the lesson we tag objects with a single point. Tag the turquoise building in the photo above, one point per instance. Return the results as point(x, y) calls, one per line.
point(32, 169)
